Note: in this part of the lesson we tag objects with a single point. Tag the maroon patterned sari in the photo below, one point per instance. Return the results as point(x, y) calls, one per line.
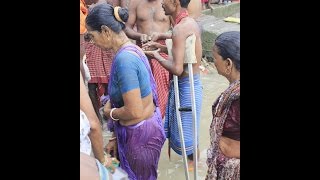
point(220, 166)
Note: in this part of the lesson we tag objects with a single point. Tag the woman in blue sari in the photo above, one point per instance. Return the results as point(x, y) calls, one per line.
point(133, 109)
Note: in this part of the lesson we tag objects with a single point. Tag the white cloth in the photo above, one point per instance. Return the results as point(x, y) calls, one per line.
point(85, 143)
point(86, 71)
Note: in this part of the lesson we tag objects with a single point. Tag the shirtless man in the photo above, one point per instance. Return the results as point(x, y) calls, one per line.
point(121, 3)
point(149, 17)
point(194, 8)
point(184, 26)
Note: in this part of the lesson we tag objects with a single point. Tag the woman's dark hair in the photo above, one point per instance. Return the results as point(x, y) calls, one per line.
point(184, 3)
point(103, 14)
point(228, 46)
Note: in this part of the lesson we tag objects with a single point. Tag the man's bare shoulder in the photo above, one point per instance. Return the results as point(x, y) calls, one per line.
point(179, 31)
point(182, 29)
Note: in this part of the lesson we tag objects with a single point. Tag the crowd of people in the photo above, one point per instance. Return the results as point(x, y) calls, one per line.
point(124, 61)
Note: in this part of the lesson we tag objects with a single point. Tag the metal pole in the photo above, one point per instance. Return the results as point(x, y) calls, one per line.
point(183, 147)
point(194, 122)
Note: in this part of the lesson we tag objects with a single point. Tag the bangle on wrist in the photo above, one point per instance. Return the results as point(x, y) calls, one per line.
point(113, 138)
point(112, 116)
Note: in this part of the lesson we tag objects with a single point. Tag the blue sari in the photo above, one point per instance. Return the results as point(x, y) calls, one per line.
point(139, 145)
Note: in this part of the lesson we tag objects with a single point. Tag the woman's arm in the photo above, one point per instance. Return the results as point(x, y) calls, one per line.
point(131, 75)
point(95, 134)
point(82, 53)
point(230, 147)
point(132, 109)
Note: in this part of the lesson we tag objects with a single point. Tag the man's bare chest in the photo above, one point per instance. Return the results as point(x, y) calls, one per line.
point(154, 14)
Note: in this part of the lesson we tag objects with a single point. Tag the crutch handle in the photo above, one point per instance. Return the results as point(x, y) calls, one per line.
point(185, 108)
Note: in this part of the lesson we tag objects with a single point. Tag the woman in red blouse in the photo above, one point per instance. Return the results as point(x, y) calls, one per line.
point(224, 152)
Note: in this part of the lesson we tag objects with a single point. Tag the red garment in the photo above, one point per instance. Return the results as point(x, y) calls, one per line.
point(83, 15)
point(231, 128)
point(99, 64)
point(182, 14)
point(161, 76)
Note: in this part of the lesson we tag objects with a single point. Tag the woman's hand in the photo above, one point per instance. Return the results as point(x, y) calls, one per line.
point(111, 147)
point(111, 163)
point(229, 147)
point(107, 161)
point(107, 109)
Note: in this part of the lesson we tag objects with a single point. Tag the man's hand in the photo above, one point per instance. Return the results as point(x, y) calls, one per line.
point(144, 38)
point(151, 46)
point(154, 54)
point(155, 36)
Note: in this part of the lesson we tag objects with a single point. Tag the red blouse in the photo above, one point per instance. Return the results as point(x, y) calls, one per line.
point(231, 128)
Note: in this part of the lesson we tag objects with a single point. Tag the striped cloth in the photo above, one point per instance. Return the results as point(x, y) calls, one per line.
point(99, 63)
point(171, 124)
point(161, 76)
